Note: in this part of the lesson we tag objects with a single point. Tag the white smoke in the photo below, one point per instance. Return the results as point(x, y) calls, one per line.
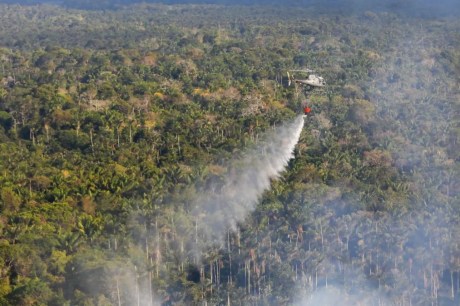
point(332, 296)
point(239, 190)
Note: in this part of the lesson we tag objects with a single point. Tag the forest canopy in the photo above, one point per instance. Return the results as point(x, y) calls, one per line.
point(424, 8)
point(113, 122)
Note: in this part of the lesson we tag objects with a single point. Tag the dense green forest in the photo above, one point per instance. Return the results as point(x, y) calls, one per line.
point(112, 122)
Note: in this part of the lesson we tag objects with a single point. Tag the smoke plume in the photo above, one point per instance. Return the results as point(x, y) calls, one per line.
point(405, 257)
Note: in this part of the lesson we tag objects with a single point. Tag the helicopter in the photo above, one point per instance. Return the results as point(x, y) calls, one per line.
point(310, 81)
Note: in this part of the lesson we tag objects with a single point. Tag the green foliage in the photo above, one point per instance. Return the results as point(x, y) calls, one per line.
point(10, 200)
point(6, 120)
point(113, 122)
point(31, 292)
point(72, 141)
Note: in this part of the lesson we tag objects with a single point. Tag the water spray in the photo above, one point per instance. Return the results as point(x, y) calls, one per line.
point(235, 194)
point(248, 177)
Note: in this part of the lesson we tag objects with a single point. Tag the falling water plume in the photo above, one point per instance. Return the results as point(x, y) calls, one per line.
point(248, 177)
point(233, 195)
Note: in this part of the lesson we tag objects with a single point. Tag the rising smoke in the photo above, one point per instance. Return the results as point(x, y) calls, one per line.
point(408, 256)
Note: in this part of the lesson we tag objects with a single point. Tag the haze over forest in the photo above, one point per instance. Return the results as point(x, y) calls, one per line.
point(426, 7)
point(157, 153)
